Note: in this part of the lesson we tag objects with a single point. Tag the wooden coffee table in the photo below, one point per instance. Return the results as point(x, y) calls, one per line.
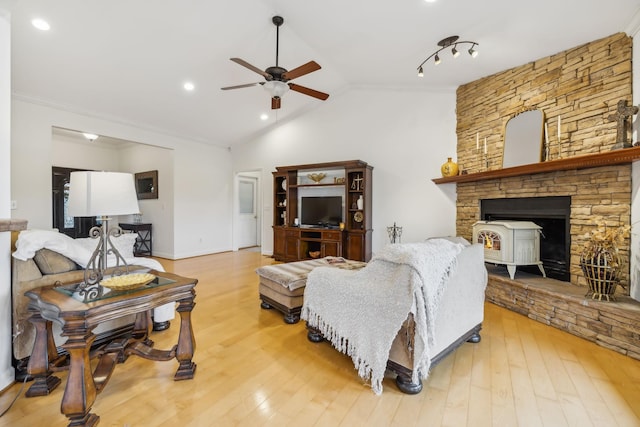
point(78, 319)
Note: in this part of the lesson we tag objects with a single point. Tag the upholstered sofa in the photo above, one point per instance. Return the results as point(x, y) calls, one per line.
point(37, 262)
point(458, 318)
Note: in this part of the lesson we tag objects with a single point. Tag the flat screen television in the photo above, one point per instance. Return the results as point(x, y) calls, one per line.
point(323, 211)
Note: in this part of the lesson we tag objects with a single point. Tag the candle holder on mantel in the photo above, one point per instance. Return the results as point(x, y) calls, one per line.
point(483, 161)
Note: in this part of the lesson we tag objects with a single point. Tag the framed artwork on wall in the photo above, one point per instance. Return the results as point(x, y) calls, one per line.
point(147, 185)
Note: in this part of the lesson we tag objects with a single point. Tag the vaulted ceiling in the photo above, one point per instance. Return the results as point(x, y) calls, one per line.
point(127, 60)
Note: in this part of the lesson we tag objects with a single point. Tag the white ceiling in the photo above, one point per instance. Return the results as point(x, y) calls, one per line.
point(127, 60)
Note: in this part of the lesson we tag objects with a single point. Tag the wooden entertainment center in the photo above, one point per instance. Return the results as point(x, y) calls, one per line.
point(294, 240)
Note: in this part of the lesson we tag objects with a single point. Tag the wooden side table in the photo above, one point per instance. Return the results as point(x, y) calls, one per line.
point(144, 241)
point(78, 319)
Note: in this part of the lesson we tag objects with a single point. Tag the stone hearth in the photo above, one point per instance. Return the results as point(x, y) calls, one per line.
point(614, 325)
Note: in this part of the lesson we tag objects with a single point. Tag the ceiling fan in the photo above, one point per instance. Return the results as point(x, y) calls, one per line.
point(277, 78)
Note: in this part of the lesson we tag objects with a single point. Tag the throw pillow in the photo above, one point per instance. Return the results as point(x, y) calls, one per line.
point(453, 239)
point(50, 262)
point(87, 243)
point(125, 243)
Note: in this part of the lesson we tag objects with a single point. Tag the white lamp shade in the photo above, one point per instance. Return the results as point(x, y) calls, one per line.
point(102, 194)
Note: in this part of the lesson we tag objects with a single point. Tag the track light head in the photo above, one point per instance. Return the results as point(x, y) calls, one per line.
point(472, 51)
point(455, 52)
point(436, 59)
point(420, 72)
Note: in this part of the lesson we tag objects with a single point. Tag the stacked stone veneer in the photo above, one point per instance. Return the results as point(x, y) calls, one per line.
point(583, 86)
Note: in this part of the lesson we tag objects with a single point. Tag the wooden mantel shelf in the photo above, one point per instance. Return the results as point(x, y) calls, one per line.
point(617, 157)
point(13, 224)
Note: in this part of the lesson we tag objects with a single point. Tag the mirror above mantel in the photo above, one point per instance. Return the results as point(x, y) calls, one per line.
point(523, 139)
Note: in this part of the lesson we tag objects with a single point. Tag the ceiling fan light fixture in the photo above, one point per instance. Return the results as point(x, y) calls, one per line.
point(278, 78)
point(276, 88)
point(448, 42)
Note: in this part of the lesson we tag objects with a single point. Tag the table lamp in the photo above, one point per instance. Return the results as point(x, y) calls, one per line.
point(102, 194)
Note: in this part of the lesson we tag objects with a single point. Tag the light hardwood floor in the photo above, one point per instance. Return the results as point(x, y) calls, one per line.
point(254, 370)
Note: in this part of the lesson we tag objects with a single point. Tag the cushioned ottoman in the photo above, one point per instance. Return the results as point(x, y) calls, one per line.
point(282, 285)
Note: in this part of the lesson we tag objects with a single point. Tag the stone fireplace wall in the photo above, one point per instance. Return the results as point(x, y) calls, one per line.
point(583, 86)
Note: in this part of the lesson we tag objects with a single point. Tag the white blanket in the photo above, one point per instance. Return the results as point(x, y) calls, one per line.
point(31, 241)
point(361, 312)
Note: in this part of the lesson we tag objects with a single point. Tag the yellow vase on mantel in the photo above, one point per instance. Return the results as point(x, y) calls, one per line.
point(450, 168)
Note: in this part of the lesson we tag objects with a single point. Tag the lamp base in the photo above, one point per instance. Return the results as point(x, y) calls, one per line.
point(94, 272)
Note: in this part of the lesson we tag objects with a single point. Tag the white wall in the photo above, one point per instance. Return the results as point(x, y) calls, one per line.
point(203, 202)
point(404, 135)
point(6, 371)
point(67, 153)
point(196, 221)
point(142, 158)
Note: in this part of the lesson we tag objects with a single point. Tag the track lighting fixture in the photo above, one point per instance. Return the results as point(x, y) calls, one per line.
point(452, 42)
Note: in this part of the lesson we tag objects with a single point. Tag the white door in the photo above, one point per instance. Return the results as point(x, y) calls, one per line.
point(247, 212)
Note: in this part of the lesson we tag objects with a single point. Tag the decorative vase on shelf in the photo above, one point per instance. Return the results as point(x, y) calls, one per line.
point(450, 168)
point(360, 202)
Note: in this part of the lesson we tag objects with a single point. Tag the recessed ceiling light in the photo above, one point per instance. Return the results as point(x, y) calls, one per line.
point(264, 116)
point(430, 1)
point(90, 136)
point(189, 86)
point(41, 24)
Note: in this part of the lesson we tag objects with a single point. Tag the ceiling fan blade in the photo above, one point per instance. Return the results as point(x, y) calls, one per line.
point(311, 92)
point(252, 68)
point(307, 68)
point(241, 86)
point(275, 102)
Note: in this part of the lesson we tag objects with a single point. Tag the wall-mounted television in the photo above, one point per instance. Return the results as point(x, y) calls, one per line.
point(321, 211)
